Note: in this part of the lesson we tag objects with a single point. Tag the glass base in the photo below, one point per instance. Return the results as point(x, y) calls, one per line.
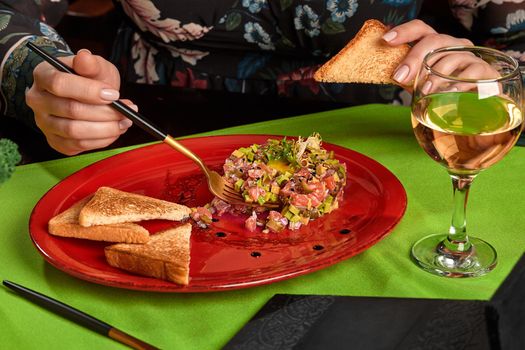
point(433, 257)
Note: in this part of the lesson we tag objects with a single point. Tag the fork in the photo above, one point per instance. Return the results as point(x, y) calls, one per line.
point(217, 184)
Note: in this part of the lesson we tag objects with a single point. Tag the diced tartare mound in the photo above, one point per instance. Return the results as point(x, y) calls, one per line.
point(302, 177)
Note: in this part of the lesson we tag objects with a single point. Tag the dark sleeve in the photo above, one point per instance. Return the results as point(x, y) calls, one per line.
point(22, 21)
point(500, 25)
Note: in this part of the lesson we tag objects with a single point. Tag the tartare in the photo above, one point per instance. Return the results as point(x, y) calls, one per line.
point(305, 180)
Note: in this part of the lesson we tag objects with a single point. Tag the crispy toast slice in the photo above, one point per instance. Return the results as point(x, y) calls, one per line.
point(367, 58)
point(66, 224)
point(112, 206)
point(166, 256)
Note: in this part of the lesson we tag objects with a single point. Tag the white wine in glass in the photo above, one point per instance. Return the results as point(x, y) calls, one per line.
point(466, 115)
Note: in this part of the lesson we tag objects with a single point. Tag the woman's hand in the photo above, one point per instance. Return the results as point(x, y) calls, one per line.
point(73, 111)
point(424, 39)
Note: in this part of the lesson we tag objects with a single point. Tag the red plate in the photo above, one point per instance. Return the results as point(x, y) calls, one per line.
point(224, 256)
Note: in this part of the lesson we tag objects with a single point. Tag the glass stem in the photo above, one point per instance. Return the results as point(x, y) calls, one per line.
point(457, 240)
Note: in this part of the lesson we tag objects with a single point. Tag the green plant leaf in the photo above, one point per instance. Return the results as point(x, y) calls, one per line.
point(285, 4)
point(330, 27)
point(233, 20)
point(285, 43)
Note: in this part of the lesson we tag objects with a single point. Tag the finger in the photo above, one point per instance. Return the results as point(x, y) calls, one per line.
point(408, 32)
point(459, 65)
point(74, 146)
point(72, 86)
point(49, 104)
point(480, 71)
point(95, 67)
point(447, 64)
point(86, 64)
point(80, 129)
point(449, 61)
point(407, 69)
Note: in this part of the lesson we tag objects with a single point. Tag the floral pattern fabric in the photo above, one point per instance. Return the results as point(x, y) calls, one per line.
point(250, 46)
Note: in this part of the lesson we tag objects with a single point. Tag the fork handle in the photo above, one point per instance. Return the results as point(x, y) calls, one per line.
point(139, 120)
point(136, 117)
point(182, 149)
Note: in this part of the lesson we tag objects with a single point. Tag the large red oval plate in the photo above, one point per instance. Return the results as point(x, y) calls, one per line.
point(224, 256)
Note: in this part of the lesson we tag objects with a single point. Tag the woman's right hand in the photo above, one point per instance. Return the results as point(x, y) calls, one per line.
point(73, 111)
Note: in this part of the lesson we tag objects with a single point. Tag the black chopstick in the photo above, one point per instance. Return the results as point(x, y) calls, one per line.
point(136, 117)
point(79, 317)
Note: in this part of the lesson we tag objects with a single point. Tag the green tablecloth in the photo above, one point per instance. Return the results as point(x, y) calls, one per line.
point(209, 320)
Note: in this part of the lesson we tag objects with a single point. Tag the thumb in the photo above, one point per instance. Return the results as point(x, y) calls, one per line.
point(95, 67)
point(85, 64)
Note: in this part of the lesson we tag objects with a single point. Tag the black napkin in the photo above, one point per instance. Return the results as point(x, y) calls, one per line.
point(508, 305)
point(344, 322)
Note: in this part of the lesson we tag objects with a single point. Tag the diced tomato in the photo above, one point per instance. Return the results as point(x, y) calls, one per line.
point(303, 172)
point(287, 189)
point(314, 201)
point(255, 173)
point(265, 168)
point(305, 200)
point(316, 187)
point(317, 192)
point(255, 192)
point(299, 200)
point(330, 182)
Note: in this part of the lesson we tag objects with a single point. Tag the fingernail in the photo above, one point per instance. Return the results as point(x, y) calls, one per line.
point(401, 73)
point(109, 94)
point(83, 50)
point(426, 87)
point(134, 107)
point(124, 124)
point(389, 36)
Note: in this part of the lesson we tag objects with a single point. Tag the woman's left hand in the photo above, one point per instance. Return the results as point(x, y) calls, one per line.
point(423, 39)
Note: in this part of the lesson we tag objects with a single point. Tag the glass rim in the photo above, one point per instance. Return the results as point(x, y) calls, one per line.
point(515, 65)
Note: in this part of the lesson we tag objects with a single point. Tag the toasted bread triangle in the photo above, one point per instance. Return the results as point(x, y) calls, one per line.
point(111, 206)
point(66, 224)
point(365, 59)
point(165, 256)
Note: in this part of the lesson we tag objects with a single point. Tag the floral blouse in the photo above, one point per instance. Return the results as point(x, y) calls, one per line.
point(250, 46)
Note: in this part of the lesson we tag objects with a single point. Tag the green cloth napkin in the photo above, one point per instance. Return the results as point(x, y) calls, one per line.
point(209, 320)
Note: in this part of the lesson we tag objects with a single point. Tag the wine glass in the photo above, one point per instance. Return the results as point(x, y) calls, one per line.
point(466, 115)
